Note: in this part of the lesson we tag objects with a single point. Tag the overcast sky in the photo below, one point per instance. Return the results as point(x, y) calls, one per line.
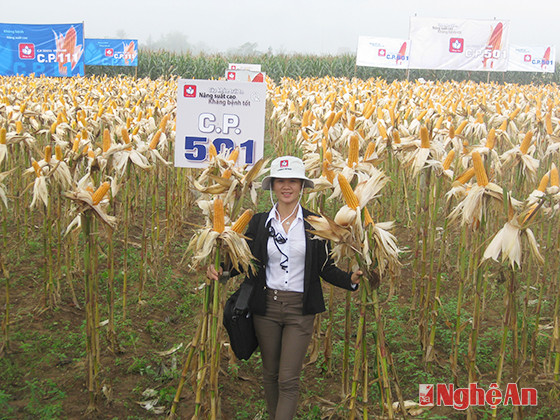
point(302, 26)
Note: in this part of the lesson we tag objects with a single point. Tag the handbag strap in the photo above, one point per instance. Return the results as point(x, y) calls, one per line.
point(242, 303)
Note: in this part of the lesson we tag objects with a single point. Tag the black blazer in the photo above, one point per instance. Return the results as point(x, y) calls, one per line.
point(318, 263)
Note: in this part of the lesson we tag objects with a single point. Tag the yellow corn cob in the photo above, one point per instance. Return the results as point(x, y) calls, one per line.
point(234, 155)
point(451, 132)
point(2, 135)
point(337, 117)
point(53, 127)
point(481, 177)
point(22, 107)
point(328, 155)
point(348, 193)
point(368, 220)
point(125, 136)
point(479, 118)
point(396, 137)
point(106, 140)
point(424, 137)
point(219, 218)
point(439, 122)
point(514, 113)
point(548, 122)
point(136, 129)
point(243, 221)
point(37, 168)
point(76, 145)
point(460, 128)
point(554, 178)
point(330, 120)
point(379, 113)
point(449, 159)
point(544, 183)
point(163, 122)
point(227, 173)
point(100, 193)
point(524, 147)
point(155, 139)
point(369, 112)
point(352, 123)
point(327, 172)
point(466, 176)
point(212, 152)
point(58, 152)
point(422, 115)
point(304, 134)
point(19, 127)
point(84, 134)
point(498, 108)
point(48, 153)
point(504, 125)
point(381, 129)
point(491, 138)
point(370, 150)
point(128, 122)
point(91, 154)
point(353, 150)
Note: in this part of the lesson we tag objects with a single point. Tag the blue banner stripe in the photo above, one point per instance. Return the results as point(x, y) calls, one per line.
point(111, 52)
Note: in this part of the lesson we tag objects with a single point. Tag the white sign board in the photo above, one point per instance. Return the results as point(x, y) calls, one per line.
point(534, 59)
point(245, 76)
point(241, 66)
point(458, 44)
point(382, 52)
point(227, 114)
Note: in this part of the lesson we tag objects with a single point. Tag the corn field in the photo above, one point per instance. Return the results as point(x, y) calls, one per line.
point(445, 193)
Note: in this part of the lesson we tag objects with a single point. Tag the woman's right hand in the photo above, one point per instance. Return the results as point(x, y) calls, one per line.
point(212, 274)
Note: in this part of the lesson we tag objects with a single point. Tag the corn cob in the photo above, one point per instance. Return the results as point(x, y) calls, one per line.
point(439, 122)
point(368, 220)
point(327, 172)
point(481, 177)
point(212, 152)
point(503, 125)
point(100, 193)
point(466, 176)
point(347, 192)
point(352, 123)
point(396, 137)
point(370, 150)
point(544, 183)
point(424, 137)
point(36, 167)
point(514, 113)
point(451, 132)
point(234, 155)
point(243, 221)
point(548, 123)
point(163, 122)
point(337, 117)
point(554, 178)
point(460, 128)
point(219, 217)
point(58, 152)
point(48, 153)
point(524, 147)
point(381, 129)
point(19, 127)
point(106, 140)
point(2, 135)
point(76, 144)
point(155, 140)
point(491, 138)
point(479, 118)
point(330, 120)
point(353, 150)
point(449, 159)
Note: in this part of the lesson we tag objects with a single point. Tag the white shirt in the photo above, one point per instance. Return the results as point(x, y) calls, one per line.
point(281, 274)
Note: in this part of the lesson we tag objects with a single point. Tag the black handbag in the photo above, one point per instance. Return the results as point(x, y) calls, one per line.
point(239, 323)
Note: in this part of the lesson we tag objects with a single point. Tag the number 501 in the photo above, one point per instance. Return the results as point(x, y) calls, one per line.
point(196, 148)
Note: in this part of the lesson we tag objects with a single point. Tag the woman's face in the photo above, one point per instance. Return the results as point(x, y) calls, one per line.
point(287, 190)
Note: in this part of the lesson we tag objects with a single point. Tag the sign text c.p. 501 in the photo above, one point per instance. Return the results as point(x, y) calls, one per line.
point(227, 114)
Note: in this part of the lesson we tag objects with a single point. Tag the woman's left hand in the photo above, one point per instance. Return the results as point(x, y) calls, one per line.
point(356, 276)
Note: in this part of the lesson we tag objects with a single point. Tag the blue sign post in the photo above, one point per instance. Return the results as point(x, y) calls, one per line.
point(50, 50)
point(111, 52)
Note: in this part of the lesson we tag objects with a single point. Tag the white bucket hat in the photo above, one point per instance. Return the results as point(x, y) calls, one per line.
point(287, 167)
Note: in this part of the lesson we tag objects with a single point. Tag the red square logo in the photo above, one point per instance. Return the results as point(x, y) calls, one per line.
point(109, 52)
point(231, 75)
point(426, 394)
point(456, 45)
point(189, 91)
point(26, 51)
point(527, 58)
point(381, 52)
point(283, 163)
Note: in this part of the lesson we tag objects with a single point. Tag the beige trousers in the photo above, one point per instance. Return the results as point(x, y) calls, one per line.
point(284, 335)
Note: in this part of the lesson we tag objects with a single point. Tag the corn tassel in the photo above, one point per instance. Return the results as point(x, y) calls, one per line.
point(241, 223)
point(348, 193)
point(100, 193)
point(448, 160)
point(524, 147)
point(219, 217)
point(481, 177)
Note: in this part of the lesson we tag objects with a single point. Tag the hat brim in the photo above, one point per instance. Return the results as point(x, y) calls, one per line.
point(267, 181)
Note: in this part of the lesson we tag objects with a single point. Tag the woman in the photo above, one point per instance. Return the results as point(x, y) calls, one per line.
point(287, 291)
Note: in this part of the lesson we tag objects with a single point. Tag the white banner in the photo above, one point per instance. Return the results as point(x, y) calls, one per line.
point(382, 52)
point(243, 66)
point(534, 59)
point(225, 113)
point(245, 76)
point(458, 44)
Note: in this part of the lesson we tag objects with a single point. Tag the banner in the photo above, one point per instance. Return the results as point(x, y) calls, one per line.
point(383, 52)
point(50, 50)
point(226, 113)
point(245, 76)
point(534, 59)
point(458, 44)
point(111, 52)
point(243, 66)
